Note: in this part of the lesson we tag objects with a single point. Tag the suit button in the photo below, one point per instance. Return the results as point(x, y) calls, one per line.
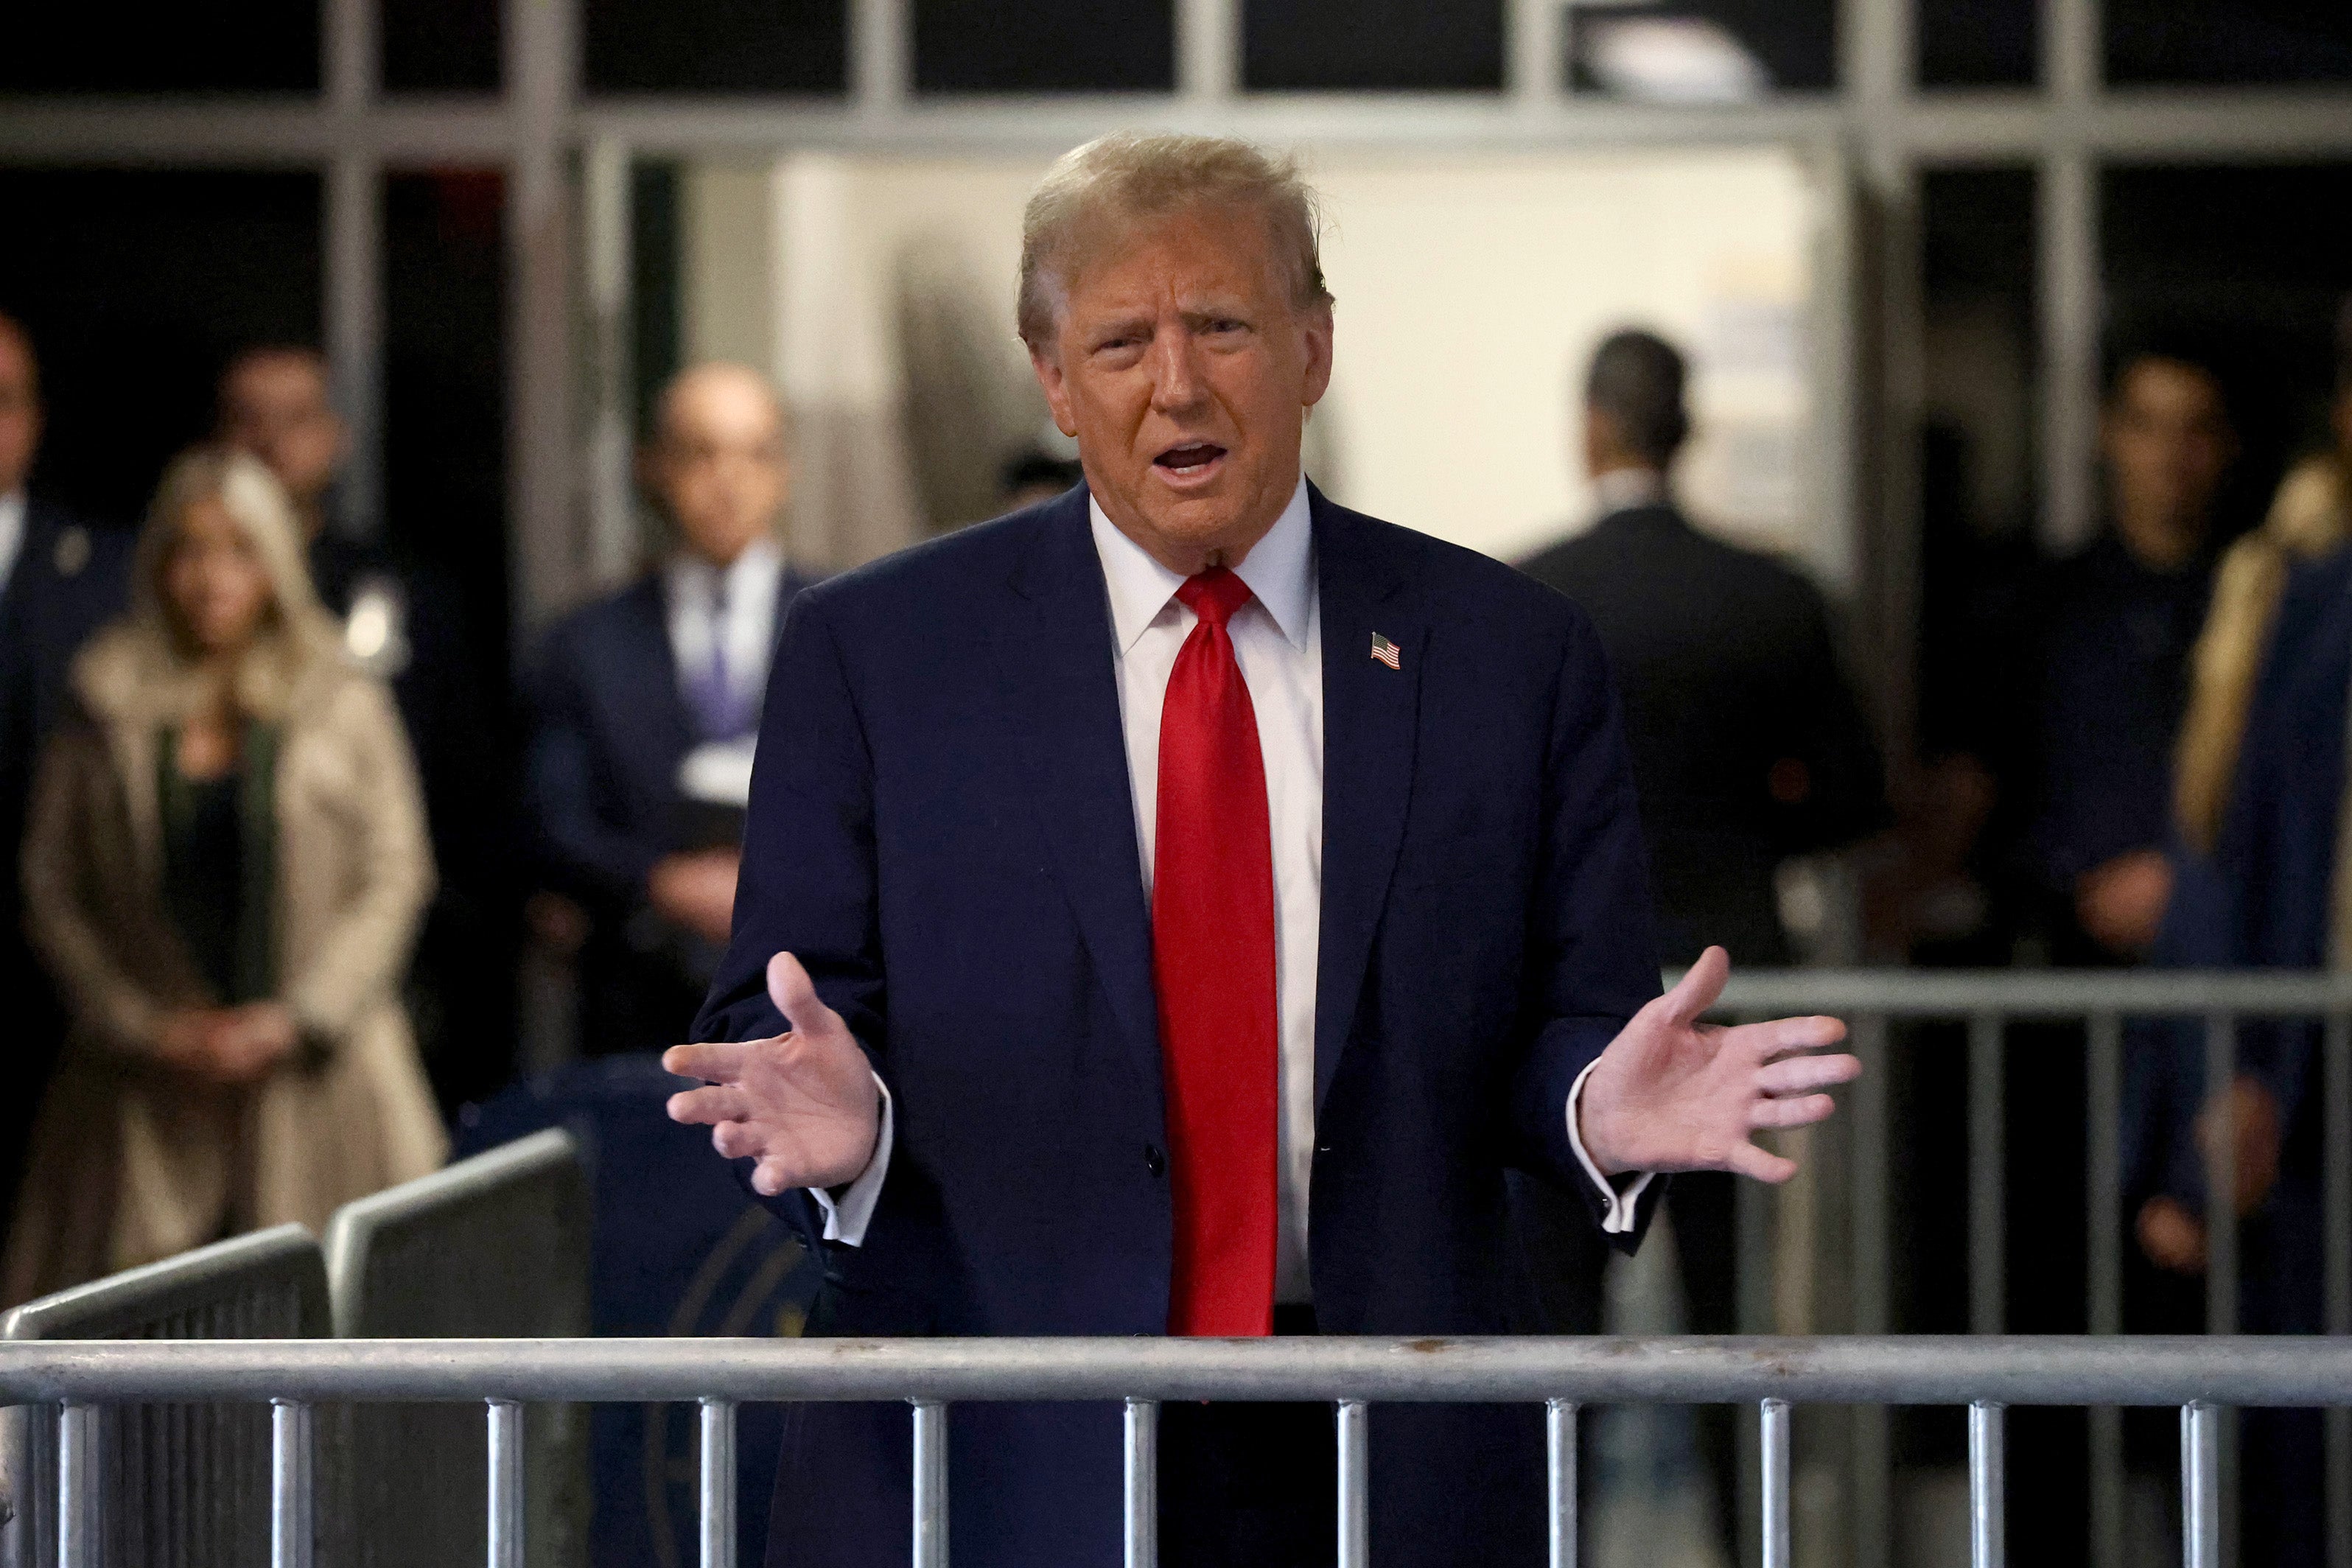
point(1154, 1161)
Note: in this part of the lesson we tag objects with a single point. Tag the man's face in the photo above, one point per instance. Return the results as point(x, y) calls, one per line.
point(2168, 444)
point(719, 468)
point(1185, 368)
point(20, 411)
point(275, 407)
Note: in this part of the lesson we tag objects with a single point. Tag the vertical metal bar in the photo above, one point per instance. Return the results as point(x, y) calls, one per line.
point(717, 1521)
point(1772, 1431)
point(2336, 1226)
point(1988, 1273)
point(542, 516)
point(1355, 1463)
point(354, 256)
point(506, 1484)
point(1988, 1503)
point(1531, 66)
point(1872, 1460)
point(2068, 274)
point(1207, 49)
point(1560, 1479)
point(2221, 1179)
point(1143, 1532)
point(293, 1530)
point(2200, 1485)
point(930, 1484)
point(79, 1488)
point(879, 56)
point(612, 497)
point(2104, 1226)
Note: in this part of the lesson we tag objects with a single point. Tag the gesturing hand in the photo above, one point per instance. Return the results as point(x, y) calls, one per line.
point(1673, 1094)
point(804, 1104)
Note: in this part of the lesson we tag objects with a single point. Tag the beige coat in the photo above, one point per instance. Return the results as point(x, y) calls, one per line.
point(132, 1160)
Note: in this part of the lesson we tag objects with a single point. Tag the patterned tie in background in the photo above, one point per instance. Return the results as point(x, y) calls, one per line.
point(719, 711)
point(1212, 955)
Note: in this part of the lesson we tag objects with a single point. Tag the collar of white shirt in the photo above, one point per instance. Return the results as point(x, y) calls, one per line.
point(756, 569)
point(1622, 490)
point(12, 534)
point(1279, 570)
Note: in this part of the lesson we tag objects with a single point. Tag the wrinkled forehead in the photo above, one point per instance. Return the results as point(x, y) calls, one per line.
point(1200, 250)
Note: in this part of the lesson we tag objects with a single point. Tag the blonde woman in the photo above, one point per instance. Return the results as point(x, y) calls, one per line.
point(223, 867)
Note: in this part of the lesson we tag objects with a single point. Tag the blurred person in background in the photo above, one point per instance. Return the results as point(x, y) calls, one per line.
point(648, 709)
point(1033, 475)
point(225, 868)
point(2120, 619)
point(405, 626)
point(1748, 748)
point(60, 579)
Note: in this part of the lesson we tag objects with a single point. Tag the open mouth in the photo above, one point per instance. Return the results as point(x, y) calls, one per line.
point(1191, 460)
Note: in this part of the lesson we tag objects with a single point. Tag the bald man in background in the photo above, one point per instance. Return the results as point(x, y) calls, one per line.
point(648, 705)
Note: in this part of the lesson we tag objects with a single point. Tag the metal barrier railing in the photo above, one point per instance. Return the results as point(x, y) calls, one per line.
point(209, 1463)
point(1989, 1002)
point(494, 1246)
point(1984, 1374)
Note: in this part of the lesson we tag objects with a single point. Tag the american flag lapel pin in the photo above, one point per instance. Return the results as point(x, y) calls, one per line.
point(1385, 651)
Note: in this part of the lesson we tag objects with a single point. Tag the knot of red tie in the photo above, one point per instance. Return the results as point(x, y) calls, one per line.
point(1214, 595)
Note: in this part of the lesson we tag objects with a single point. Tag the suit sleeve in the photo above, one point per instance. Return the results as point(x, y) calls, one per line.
point(808, 884)
point(583, 854)
point(1591, 954)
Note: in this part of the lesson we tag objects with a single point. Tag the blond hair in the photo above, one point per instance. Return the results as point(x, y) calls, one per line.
point(1094, 193)
point(296, 635)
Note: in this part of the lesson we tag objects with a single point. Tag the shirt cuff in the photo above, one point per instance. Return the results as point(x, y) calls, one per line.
point(846, 1216)
point(1617, 1217)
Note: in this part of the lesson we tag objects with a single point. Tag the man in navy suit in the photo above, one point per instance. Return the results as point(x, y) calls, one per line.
point(1171, 907)
point(649, 703)
point(60, 579)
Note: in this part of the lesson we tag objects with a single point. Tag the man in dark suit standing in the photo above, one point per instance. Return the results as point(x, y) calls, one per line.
point(1171, 909)
point(1747, 747)
point(60, 579)
point(648, 705)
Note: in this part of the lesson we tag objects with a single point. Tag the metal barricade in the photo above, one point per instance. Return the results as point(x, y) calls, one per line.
point(494, 1246)
point(1985, 1374)
point(1987, 1003)
point(184, 1482)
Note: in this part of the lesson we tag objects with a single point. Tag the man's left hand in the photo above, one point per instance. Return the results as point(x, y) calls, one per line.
point(1673, 1094)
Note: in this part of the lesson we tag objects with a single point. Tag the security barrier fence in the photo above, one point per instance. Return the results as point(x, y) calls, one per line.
point(82, 1477)
point(1987, 1374)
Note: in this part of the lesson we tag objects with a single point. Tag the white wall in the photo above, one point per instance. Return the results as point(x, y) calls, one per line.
point(1471, 288)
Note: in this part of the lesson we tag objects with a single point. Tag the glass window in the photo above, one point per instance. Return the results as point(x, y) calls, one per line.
point(272, 47)
point(1702, 51)
point(2228, 40)
point(1978, 42)
point(439, 46)
point(142, 285)
point(717, 46)
point(1045, 46)
point(1367, 45)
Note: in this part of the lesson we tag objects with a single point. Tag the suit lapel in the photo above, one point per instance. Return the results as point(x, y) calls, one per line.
point(647, 668)
point(1370, 722)
point(1053, 646)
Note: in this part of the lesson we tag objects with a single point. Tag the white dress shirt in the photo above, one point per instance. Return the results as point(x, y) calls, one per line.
point(12, 534)
point(732, 609)
point(1623, 490)
point(1278, 643)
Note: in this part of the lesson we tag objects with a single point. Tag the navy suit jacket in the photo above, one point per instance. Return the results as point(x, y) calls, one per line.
point(941, 829)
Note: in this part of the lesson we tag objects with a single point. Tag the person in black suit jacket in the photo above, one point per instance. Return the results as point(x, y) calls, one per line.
point(405, 622)
point(647, 708)
point(1748, 747)
point(60, 579)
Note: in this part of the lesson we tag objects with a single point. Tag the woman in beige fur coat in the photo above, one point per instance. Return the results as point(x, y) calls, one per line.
point(223, 867)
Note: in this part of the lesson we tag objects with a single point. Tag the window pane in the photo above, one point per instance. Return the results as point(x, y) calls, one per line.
point(273, 46)
point(2235, 262)
point(1702, 51)
point(718, 46)
point(1045, 46)
point(439, 46)
point(1978, 42)
point(142, 285)
point(1372, 44)
point(2228, 40)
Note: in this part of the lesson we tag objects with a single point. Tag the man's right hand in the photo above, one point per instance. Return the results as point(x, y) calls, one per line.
point(804, 1104)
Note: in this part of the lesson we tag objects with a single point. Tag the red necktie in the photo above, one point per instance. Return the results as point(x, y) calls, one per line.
point(1213, 953)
